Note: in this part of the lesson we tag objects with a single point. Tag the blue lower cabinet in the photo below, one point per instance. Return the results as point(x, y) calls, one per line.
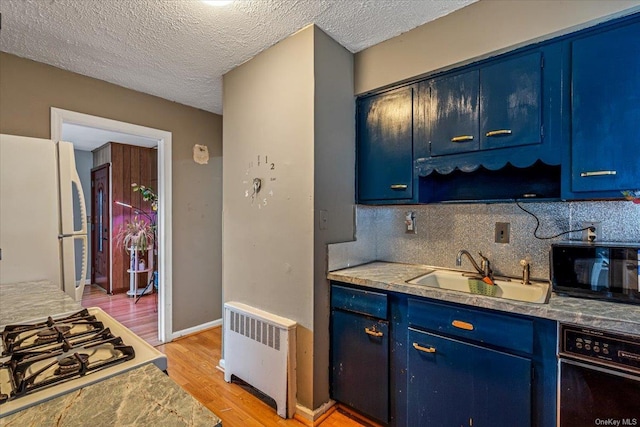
point(410, 361)
point(453, 383)
point(360, 363)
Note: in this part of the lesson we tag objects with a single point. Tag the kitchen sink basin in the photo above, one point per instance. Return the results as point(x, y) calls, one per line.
point(536, 292)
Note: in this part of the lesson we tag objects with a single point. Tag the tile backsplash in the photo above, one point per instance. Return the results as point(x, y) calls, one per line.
point(444, 229)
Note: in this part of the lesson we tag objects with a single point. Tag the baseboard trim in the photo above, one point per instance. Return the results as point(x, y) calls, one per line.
point(220, 365)
point(194, 329)
point(312, 418)
point(356, 416)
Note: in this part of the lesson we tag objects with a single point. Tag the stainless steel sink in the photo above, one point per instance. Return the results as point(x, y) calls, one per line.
point(536, 292)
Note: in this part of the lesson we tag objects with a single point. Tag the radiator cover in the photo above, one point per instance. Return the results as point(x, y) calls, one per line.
point(259, 348)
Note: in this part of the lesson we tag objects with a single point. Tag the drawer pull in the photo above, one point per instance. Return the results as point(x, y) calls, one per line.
point(373, 332)
point(423, 349)
point(462, 325)
point(499, 132)
point(597, 173)
point(462, 138)
point(398, 187)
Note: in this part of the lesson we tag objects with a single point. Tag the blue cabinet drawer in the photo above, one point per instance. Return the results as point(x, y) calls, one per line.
point(507, 332)
point(372, 304)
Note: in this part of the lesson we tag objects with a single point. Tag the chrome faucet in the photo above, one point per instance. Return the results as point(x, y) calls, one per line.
point(526, 272)
point(484, 268)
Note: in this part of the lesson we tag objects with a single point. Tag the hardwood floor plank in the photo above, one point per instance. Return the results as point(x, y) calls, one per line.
point(192, 362)
point(141, 318)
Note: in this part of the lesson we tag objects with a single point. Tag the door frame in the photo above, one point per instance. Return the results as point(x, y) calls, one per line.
point(92, 231)
point(165, 254)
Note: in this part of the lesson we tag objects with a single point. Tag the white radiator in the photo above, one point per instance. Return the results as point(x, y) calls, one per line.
point(259, 348)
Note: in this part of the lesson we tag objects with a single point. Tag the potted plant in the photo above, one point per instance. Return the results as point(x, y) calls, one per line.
point(136, 234)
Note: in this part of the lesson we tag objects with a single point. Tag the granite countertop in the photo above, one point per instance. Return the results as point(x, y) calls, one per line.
point(24, 301)
point(592, 313)
point(144, 396)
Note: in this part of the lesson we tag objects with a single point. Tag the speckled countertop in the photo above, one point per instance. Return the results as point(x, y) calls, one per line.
point(141, 397)
point(593, 313)
point(24, 301)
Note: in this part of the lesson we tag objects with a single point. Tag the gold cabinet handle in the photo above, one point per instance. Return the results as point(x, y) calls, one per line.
point(398, 187)
point(423, 349)
point(373, 332)
point(597, 173)
point(462, 138)
point(499, 132)
point(462, 325)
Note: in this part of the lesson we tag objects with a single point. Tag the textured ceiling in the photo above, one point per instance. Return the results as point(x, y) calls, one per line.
point(179, 49)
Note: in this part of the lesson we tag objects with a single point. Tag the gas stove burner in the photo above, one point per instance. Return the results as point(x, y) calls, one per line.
point(55, 355)
point(72, 363)
point(50, 335)
point(42, 336)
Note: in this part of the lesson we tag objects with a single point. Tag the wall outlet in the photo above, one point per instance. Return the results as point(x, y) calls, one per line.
point(503, 232)
point(589, 235)
point(410, 222)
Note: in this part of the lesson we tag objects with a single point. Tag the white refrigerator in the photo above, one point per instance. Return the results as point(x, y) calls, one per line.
point(38, 184)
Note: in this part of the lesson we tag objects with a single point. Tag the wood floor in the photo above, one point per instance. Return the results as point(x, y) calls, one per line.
point(192, 364)
point(141, 318)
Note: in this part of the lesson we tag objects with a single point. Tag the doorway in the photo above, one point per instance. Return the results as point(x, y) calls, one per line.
point(100, 227)
point(59, 117)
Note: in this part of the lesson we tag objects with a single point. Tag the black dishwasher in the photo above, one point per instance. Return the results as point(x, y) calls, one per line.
point(599, 378)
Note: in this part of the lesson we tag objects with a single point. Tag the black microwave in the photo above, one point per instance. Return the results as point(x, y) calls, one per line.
point(609, 271)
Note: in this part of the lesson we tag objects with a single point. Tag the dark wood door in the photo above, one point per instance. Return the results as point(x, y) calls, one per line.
point(100, 226)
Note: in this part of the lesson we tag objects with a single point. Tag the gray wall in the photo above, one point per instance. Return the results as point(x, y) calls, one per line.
point(334, 176)
point(29, 89)
point(293, 104)
point(84, 163)
point(442, 230)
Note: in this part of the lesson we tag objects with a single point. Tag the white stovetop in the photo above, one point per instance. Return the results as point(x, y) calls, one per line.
point(145, 354)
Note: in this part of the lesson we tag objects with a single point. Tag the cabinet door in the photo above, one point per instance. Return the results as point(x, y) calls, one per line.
point(385, 146)
point(454, 114)
point(605, 111)
point(360, 363)
point(511, 103)
point(452, 383)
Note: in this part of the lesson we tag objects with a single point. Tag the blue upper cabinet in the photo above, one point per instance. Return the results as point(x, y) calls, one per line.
point(605, 112)
point(385, 147)
point(505, 110)
point(511, 102)
point(454, 114)
point(495, 106)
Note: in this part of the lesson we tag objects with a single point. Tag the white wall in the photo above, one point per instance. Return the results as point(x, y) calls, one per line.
point(268, 250)
point(294, 105)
